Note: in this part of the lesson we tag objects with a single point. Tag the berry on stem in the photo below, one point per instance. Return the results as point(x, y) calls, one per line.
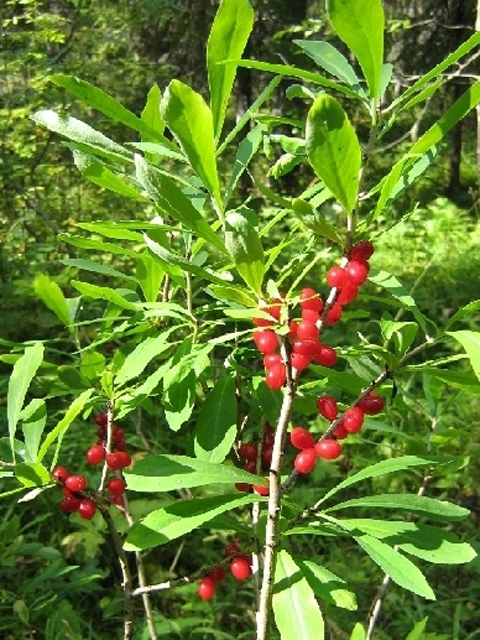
point(305, 461)
point(266, 340)
point(76, 483)
point(357, 272)
point(69, 504)
point(86, 509)
point(276, 376)
point(307, 331)
point(362, 251)
point(232, 549)
point(326, 356)
point(309, 299)
point(218, 574)
point(261, 489)
point(60, 474)
point(240, 568)
point(328, 449)
point(336, 277)
point(301, 438)
point(95, 454)
point(353, 419)
point(206, 588)
point(334, 314)
point(248, 451)
point(372, 404)
point(116, 486)
point(347, 294)
point(300, 362)
point(272, 359)
point(327, 407)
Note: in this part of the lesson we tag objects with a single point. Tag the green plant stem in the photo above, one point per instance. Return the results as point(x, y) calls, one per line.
point(274, 504)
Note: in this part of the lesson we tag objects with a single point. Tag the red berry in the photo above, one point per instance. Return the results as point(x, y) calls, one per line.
point(267, 457)
point(250, 466)
point(248, 450)
point(326, 356)
point(305, 461)
point(307, 331)
point(118, 434)
point(353, 419)
point(76, 483)
point(336, 277)
point(261, 489)
point(116, 486)
point(340, 432)
point(231, 549)
point(276, 376)
point(309, 299)
point(292, 334)
point(334, 314)
point(357, 272)
point(86, 509)
point(268, 436)
point(117, 499)
point(372, 404)
point(206, 588)
point(240, 568)
point(300, 362)
point(95, 454)
point(69, 504)
point(309, 315)
point(362, 251)
point(60, 474)
point(301, 438)
point(266, 340)
point(271, 359)
point(327, 407)
point(328, 449)
point(102, 419)
point(347, 294)
point(305, 347)
point(102, 433)
point(243, 486)
point(218, 574)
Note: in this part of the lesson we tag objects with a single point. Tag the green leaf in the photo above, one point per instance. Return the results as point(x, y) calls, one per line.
point(98, 173)
point(314, 220)
point(326, 585)
point(246, 150)
point(190, 120)
point(417, 631)
point(150, 276)
point(34, 419)
point(142, 355)
point(360, 24)
point(216, 424)
point(231, 293)
point(270, 401)
point(178, 400)
point(228, 37)
point(173, 202)
point(379, 469)
point(245, 248)
point(58, 432)
point(326, 56)
point(333, 149)
point(151, 114)
point(435, 509)
point(171, 472)
point(50, 293)
point(97, 245)
point(32, 474)
point(103, 293)
point(400, 569)
point(92, 364)
point(180, 518)
point(103, 102)
point(423, 541)
point(22, 375)
point(78, 131)
point(358, 632)
point(470, 341)
point(297, 614)
point(72, 378)
point(97, 267)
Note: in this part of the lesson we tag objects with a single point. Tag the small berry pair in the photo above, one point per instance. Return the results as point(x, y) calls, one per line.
point(240, 568)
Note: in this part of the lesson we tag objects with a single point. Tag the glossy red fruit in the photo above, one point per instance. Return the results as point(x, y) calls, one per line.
point(116, 486)
point(307, 331)
point(118, 434)
point(95, 454)
point(69, 504)
point(115, 460)
point(327, 407)
point(267, 457)
point(76, 483)
point(272, 359)
point(336, 277)
point(326, 356)
point(244, 487)
point(353, 419)
point(101, 419)
point(372, 404)
point(292, 334)
point(261, 489)
point(300, 362)
point(340, 432)
point(357, 272)
point(268, 436)
point(218, 574)
point(334, 314)
point(276, 376)
point(248, 451)
point(347, 294)
point(305, 461)
point(117, 499)
point(232, 549)
point(305, 347)
point(102, 433)
point(250, 466)
point(60, 474)
point(309, 299)
point(206, 588)
point(362, 251)
point(86, 509)
point(264, 322)
point(240, 568)
point(301, 438)
point(328, 449)
point(266, 340)
point(309, 315)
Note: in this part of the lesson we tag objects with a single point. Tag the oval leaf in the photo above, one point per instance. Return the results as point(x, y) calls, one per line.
point(470, 341)
point(50, 293)
point(333, 149)
point(245, 248)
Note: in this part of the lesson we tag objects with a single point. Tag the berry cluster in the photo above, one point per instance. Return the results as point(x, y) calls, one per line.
point(304, 333)
point(249, 452)
point(240, 568)
point(73, 486)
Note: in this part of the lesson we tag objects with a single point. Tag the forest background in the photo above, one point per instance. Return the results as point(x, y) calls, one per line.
point(125, 47)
